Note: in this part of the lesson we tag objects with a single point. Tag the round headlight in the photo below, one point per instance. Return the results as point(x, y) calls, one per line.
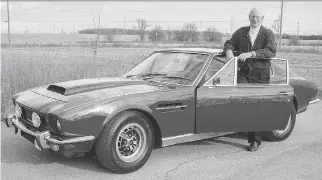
point(59, 126)
point(35, 119)
point(18, 110)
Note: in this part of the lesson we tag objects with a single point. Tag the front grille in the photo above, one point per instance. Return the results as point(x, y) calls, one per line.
point(26, 114)
point(26, 117)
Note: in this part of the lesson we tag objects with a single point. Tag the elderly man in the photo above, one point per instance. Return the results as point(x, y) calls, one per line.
point(254, 41)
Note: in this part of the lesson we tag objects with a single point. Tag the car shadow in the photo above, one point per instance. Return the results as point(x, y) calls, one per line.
point(15, 148)
point(211, 141)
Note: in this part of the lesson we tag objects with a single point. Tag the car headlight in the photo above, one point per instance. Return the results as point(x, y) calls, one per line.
point(58, 126)
point(35, 119)
point(18, 111)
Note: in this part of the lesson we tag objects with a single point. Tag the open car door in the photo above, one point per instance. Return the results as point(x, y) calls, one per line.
point(223, 105)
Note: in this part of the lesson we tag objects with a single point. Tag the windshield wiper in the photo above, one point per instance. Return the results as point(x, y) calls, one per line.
point(178, 77)
point(152, 74)
point(131, 75)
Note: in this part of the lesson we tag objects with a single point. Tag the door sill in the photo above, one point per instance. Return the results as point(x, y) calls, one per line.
point(191, 137)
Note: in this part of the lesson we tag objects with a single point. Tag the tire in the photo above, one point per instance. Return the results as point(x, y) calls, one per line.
point(125, 143)
point(280, 135)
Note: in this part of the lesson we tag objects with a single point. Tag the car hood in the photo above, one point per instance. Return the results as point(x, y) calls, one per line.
point(86, 90)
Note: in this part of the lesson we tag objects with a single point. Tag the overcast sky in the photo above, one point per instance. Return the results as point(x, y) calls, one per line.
point(55, 16)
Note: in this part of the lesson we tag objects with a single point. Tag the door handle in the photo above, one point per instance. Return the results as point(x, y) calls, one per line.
point(284, 93)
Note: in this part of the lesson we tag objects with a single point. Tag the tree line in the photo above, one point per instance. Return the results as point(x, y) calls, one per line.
point(188, 33)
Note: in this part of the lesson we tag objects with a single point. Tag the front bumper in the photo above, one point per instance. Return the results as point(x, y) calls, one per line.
point(44, 140)
point(314, 101)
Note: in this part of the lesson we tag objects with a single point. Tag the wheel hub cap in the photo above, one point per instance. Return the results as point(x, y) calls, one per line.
point(131, 142)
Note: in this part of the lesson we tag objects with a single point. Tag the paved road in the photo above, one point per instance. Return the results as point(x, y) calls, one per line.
point(299, 157)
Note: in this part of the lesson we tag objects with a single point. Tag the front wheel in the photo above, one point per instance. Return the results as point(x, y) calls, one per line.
point(280, 135)
point(125, 143)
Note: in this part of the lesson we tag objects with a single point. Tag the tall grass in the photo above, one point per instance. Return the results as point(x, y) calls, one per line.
point(24, 68)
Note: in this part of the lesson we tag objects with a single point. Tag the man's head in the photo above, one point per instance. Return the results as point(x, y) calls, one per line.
point(255, 18)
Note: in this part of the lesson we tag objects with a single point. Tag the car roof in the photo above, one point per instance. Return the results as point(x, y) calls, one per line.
point(202, 50)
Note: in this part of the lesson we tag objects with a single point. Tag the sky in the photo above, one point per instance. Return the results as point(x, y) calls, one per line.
point(225, 16)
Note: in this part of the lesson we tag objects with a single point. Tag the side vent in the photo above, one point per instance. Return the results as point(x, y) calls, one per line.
point(56, 89)
point(171, 107)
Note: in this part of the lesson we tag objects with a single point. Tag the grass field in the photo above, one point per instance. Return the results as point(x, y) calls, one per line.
point(24, 68)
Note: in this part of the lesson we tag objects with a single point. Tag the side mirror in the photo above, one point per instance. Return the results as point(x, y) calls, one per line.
point(216, 80)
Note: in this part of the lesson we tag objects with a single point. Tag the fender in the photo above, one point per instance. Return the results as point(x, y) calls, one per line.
point(114, 109)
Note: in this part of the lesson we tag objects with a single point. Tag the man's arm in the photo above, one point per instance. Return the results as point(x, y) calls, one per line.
point(269, 50)
point(230, 45)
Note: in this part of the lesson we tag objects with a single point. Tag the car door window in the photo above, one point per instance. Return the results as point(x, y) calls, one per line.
point(278, 72)
point(214, 67)
point(225, 76)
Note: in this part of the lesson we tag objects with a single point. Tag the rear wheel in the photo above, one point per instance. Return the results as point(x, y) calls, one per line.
point(280, 135)
point(125, 143)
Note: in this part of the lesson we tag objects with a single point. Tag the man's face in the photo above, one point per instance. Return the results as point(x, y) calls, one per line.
point(255, 19)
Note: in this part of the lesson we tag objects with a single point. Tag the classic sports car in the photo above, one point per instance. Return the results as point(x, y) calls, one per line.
point(173, 96)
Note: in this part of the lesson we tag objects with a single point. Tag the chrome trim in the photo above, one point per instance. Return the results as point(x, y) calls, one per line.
point(203, 70)
point(316, 100)
point(191, 137)
point(287, 73)
point(236, 71)
point(273, 73)
point(44, 137)
point(69, 141)
point(171, 107)
point(235, 75)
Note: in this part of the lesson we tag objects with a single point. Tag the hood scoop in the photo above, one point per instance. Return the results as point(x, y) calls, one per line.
point(56, 89)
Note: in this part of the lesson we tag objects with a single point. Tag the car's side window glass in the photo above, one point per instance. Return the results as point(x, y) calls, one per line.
point(278, 72)
point(225, 76)
point(214, 67)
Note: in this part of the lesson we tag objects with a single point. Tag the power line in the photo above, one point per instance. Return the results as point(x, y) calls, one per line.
point(150, 21)
point(281, 23)
point(9, 39)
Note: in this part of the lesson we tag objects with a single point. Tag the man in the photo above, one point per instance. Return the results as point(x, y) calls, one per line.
point(254, 41)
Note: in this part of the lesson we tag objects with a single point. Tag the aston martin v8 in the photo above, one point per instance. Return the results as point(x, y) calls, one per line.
point(173, 96)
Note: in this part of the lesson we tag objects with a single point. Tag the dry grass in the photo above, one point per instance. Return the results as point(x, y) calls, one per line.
point(24, 68)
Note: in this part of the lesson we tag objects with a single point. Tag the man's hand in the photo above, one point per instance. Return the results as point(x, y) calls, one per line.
point(229, 54)
point(244, 56)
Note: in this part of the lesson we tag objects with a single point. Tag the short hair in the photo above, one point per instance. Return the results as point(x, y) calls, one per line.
point(256, 10)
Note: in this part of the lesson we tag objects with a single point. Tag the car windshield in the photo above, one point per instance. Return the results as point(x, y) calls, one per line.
point(177, 67)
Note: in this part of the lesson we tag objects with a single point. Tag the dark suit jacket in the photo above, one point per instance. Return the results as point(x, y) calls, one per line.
point(264, 45)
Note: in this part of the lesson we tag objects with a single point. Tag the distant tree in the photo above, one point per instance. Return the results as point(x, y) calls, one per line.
point(142, 26)
point(157, 34)
point(212, 35)
point(294, 40)
point(178, 35)
point(190, 32)
point(109, 36)
point(169, 35)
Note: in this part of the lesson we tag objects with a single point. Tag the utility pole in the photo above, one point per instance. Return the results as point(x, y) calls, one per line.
point(231, 24)
point(124, 26)
point(298, 28)
point(281, 23)
point(98, 34)
point(9, 38)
